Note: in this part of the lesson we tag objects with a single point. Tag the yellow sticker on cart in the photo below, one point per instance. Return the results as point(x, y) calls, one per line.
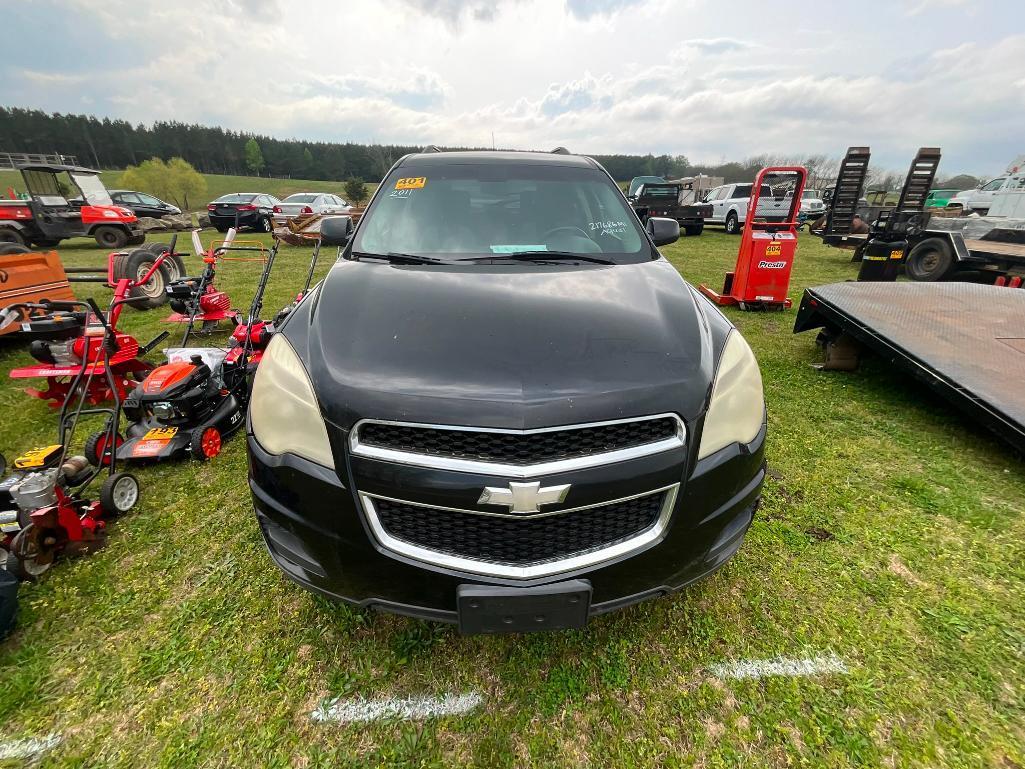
point(773, 249)
point(160, 434)
point(36, 457)
point(897, 253)
point(411, 183)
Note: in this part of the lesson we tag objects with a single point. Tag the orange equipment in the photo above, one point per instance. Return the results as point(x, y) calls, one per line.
point(30, 278)
point(761, 278)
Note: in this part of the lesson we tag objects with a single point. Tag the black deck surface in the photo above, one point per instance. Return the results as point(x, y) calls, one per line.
point(965, 340)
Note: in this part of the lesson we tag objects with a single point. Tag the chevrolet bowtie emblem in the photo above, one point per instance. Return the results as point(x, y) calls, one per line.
point(524, 497)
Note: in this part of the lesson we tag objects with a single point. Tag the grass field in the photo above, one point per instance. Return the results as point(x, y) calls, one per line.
point(891, 541)
point(217, 185)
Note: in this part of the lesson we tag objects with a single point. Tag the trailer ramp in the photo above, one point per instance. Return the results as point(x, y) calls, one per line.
point(965, 341)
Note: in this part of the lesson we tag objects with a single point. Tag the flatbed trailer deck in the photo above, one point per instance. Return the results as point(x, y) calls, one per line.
point(965, 341)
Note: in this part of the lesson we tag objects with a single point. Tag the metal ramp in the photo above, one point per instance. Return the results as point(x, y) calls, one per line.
point(849, 183)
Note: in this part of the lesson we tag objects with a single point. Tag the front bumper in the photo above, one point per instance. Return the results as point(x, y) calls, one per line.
point(317, 533)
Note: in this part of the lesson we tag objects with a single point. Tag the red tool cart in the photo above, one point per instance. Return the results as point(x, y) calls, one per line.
point(761, 279)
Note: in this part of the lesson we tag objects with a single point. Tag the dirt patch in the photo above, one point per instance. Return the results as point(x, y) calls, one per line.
point(898, 567)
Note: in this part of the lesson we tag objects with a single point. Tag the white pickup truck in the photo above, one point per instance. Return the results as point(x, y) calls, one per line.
point(730, 203)
point(980, 200)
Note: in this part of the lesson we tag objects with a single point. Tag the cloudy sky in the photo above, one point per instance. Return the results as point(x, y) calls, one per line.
point(714, 80)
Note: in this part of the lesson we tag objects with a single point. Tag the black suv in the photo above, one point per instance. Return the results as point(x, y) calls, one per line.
point(502, 406)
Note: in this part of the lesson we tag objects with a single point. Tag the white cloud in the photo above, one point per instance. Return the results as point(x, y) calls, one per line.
point(612, 76)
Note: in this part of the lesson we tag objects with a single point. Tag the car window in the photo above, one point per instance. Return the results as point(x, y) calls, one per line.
point(480, 210)
point(235, 197)
point(301, 197)
point(149, 200)
point(741, 191)
point(1015, 183)
point(127, 197)
point(996, 184)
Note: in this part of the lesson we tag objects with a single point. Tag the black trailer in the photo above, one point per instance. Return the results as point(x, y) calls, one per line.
point(965, 341)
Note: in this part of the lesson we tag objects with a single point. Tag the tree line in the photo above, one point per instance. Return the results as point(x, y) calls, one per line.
point(108, 143)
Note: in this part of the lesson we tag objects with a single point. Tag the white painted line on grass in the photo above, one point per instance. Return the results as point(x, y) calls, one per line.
point(360, 710)
point(780, 666)
point(28, 748)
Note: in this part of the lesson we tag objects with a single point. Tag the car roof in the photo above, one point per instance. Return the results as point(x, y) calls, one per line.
point(492, 157)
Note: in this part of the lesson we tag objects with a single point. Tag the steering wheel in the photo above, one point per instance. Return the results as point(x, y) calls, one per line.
point(571, 230)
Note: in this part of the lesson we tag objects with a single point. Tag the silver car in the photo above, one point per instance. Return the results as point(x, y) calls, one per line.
point(307, 203)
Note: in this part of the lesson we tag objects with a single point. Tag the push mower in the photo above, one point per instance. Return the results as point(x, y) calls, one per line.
point(193, 403)
point(66, 337)
point(44, 512)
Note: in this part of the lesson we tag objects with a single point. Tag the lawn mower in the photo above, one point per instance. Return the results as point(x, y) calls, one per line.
point(65, 336)
point(194, 299)
point(190, 405)
point(44, 512)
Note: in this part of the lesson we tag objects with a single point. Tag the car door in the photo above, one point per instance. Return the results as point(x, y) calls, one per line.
point(715, 199)
point(739, 197)
point(983, 197)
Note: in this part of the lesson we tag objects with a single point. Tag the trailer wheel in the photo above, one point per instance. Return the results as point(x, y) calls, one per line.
point(174, 264)
point(694, 229)
point(153, 293)
point(11, 236)
point(12, 248)
point(930, 260)
point(732, 223)
point(113, 238)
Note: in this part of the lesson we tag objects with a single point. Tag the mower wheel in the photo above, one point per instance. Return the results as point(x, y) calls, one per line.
point(732, 223)
point(153, 293)
point(97, 452)
point(929, 261)
point(205, 443)
point(8, 235)
point(26, 560)
point(113, 238)
point(12, 248)
point(118, 494)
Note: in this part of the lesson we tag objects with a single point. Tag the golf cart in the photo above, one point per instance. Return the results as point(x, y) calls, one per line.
point(66, 202)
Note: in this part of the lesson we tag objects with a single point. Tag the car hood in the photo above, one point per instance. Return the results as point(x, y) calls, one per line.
point(513, 346)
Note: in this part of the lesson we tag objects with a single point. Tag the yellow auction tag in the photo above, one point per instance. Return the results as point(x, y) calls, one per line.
point(411, 183)
point(160, 434)
point(773, 249)
point(897, 253)
point(36, 457)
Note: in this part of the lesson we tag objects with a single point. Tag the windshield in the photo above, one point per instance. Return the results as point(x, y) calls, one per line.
point(92, 189)
point(470, 211)
point(235, 198)
point(810, 194)
point(301, 197)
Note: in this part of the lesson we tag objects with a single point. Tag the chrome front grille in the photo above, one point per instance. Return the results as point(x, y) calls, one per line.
point(516, 453)
point(520, 546)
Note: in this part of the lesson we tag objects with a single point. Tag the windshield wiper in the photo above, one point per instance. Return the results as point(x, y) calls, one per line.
point(395, 257)
point(552, 256)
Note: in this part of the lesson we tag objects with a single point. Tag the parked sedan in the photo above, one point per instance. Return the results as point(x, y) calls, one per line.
point(306, 203)
point(143, 204)
point(246, 209)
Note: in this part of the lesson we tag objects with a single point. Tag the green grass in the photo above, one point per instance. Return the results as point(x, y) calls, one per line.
point(181, 645)
point(217, 185)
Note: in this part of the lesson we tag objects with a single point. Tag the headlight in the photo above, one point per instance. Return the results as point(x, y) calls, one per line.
point(737, 407)
point(283, 411)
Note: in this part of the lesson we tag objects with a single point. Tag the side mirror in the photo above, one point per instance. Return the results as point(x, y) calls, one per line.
point(663, 230)
point(336, 230)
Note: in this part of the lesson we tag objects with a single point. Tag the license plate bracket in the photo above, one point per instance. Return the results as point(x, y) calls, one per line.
point(488, 609)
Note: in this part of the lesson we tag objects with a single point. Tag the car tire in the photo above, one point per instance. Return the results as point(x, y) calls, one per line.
point(113, 238)
point(220, 228)
point(153, 293)
point(732, 223)
point(694, 230)
point(266, 225)
point(9, 236)
point(929, 261)
point(13, 248)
